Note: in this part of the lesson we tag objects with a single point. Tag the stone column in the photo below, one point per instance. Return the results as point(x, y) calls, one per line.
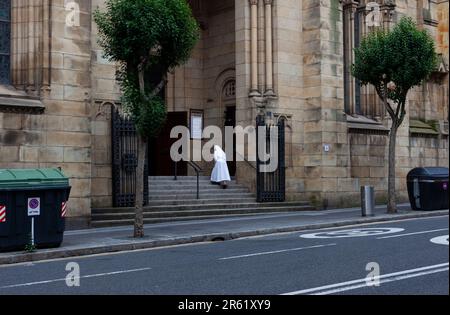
point(269, 49)
point(254, 47)
point(46, 48)
point(31, 51)
point(349, 8)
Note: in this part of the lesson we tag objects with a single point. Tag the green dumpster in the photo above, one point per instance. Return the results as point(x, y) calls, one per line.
point(33, 207)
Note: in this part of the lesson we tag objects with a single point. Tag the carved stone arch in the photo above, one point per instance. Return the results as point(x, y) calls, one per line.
point(223, 78)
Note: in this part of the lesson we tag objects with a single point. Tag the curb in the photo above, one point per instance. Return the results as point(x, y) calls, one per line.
point(66, 253)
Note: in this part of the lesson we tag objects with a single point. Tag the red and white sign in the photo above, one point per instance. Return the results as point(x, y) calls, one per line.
point(63, 209)
point(2, 214)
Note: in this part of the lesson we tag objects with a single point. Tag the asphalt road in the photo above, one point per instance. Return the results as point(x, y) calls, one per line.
point(329, 261)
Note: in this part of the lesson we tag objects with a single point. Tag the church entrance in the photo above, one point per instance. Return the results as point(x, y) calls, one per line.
point(159, 160)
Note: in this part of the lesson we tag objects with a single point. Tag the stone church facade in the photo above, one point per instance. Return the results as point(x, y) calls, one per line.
point(285, 59)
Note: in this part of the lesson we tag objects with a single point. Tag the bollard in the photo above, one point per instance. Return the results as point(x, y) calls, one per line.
point(367, 201)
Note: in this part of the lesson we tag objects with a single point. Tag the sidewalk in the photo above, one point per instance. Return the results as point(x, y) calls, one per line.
point(105, 240)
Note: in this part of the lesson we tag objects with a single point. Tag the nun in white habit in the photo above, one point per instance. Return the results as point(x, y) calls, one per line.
point(220, 173)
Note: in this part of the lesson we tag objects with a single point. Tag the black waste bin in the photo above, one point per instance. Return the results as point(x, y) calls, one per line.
point(428, 188)
point(32, 195)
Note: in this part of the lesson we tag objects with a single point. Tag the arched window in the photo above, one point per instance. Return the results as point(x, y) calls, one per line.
point(229, 90)
point(5, 41)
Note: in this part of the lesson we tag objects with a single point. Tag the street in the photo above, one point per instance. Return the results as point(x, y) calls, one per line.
point(411, 256)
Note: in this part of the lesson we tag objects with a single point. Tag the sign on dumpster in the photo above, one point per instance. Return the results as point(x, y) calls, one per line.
point(2, 214)
point(34, 206)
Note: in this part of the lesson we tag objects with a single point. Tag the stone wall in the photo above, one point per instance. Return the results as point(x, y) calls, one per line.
point(327, 162)
point(58, 75)
point(105, 95)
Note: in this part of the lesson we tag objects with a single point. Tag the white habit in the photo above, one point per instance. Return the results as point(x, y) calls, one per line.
point(220, 172)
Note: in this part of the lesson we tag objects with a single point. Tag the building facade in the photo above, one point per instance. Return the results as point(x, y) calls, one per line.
point(285, 59)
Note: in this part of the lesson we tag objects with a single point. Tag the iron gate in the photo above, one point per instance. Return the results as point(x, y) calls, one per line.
point(125, 153)
point(270, 184)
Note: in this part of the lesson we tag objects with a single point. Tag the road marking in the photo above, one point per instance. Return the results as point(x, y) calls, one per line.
point(276, 251)
point(82, 277)
point(361, 283)
point(441, 240)
point(353, 233)
point(414, 233)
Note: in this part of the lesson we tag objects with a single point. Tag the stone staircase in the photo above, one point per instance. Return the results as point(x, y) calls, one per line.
point(171, 200)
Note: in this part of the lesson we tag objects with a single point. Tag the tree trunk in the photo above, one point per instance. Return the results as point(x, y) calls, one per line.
point(139, 199)
point(139, 205)
point(392, 204)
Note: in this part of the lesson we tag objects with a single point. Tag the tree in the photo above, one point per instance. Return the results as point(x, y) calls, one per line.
point(147, 39)
point(394, 62)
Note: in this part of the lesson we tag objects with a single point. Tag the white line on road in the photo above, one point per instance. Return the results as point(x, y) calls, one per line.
point(277, 251)
point(414, 233)
point(82, 277)
point(361, 283)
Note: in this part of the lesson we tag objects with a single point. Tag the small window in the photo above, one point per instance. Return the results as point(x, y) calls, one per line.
point(5, 41)
point(229, 90)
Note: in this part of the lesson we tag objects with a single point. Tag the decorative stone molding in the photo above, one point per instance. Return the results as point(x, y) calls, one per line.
point(103, 109)
point(19, 105)
point(14, 101)
point(388, 11)
point(364, 125)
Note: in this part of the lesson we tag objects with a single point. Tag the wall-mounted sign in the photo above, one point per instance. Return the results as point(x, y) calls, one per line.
point(196, 124)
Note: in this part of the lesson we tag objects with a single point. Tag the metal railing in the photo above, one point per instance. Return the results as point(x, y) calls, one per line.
point(197, 170)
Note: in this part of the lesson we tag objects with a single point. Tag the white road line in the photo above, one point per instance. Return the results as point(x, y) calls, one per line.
point(414, 233)
point(360, 283)
point(276, 251)
point(82, 277)
point(398, 278)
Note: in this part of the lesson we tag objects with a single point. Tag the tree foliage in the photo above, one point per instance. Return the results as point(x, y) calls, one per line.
point(394, 62)
point(149, 35)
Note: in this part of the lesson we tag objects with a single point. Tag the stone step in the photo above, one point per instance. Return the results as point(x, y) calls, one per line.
point(207, 206)
point(119, 222)
point(190, 186)
point(203, 196)
point(217, 190)
point(191, 183)
point(185, 182)
point(202, 177)
point(197, 202)
point(158, 178)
